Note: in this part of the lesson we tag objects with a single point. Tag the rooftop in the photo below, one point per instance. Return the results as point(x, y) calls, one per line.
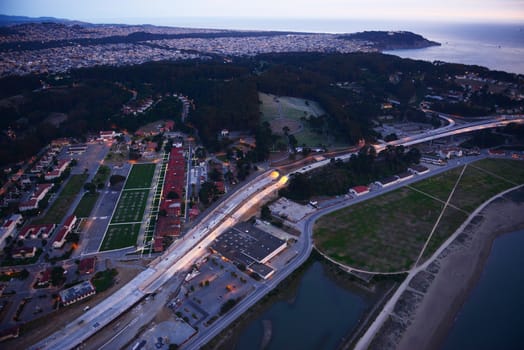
point(77, 292)
point(246, 244)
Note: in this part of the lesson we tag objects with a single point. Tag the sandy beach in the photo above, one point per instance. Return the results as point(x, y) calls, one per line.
point(426, 310)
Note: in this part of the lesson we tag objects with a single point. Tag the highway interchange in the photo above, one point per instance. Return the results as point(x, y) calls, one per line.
point(186, 251)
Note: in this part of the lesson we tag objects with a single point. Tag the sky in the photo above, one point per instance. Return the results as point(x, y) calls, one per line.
point(98, 11)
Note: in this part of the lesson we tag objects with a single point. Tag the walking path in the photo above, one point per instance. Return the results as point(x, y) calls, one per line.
point(373, 329)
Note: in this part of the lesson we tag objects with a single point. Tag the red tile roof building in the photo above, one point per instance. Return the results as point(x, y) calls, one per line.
point(45, 278)
point(61, 236)
point(34, 231)
point(174, 182)
point(58, 170)
point(359, 190)
point(39, 194)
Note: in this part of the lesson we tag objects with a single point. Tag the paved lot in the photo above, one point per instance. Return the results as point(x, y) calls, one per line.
point(96, 225)
point(89, 160)
point(290, 210)
point(217, 282)
point(165, 333)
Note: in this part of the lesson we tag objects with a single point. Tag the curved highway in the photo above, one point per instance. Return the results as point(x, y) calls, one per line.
point(179, 257)
point(186, 251)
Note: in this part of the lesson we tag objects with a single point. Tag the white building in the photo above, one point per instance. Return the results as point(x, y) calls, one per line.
point(9, 228)
point(61, 236)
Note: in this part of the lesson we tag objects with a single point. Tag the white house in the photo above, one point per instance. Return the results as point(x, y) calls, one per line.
point(107, 135)
point(418, 169)
point(388, 181)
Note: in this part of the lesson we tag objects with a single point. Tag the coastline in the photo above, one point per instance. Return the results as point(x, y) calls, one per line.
point(426, 310)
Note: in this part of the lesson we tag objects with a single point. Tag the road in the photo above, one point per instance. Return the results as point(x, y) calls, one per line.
point(304, 247)
point(179, 257)
point(364, 342)
point(456, 129)
point(183, 253)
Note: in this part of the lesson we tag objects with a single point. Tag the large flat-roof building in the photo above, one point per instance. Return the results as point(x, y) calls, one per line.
point(247, 245)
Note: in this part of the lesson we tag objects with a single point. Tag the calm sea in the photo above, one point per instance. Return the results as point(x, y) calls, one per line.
point(492, 316)
point(496, 46)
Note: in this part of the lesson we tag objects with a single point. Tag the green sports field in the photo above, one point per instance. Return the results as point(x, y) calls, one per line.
point(130, 207)
point(140, 176)
point(129, 213)
point(120, 236)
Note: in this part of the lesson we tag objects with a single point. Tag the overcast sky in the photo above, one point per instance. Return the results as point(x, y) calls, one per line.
point(98, 10)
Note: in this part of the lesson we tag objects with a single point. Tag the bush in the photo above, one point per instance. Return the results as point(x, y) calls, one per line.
point(104, 280)
point(228, 305)
point(116, 179)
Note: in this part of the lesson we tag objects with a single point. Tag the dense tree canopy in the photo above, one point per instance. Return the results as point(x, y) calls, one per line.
point(349, 87)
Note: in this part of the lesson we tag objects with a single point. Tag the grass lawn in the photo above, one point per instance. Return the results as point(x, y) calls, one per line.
point(103, 280)
point(382, 234)
point(512, 170)
point(86, 205)
point(387, 233)
point(291, 107)
point(289, 111)
point(140, 176)
point(61, 205)
point(120, 236)
point(102, 175)
point(130, 207)
point(476, 187)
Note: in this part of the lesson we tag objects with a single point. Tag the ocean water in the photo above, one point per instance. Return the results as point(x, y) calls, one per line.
point(492, 317)
point(495, 46)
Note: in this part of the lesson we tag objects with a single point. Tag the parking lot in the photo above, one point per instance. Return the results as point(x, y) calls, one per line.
point(217, 282)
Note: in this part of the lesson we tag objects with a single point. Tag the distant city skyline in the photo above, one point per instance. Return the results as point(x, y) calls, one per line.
point(131, 11)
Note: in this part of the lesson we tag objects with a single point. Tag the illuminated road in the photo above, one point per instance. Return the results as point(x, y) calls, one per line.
point(454, 130)
point(179, 257)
